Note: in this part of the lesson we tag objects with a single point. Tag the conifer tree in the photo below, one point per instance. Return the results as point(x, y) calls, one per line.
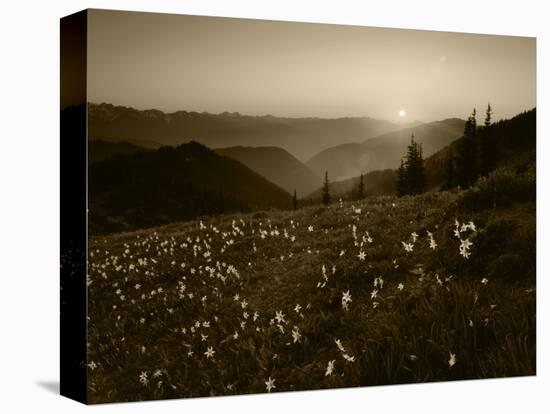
point(411, 177)
point(325, 194)
point(415, 168)
point(488, 149)
point(221, 205)
point(449, 179)
point(488, 115)
point(401, 179)
point(467, 157)
point(295, 201)
point(360, 191)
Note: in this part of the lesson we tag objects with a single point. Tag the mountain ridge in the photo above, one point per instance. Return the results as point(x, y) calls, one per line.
point(302, 137)
point(149, 188)
point(277, 165)
point(384, 151)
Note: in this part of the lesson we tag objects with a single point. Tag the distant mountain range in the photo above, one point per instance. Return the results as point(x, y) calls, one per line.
point(384, 151)
point(278, 166)
point(302, 137)
point(270, 145)
point(153, 187)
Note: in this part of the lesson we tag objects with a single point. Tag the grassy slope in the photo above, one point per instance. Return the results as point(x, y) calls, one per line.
point(399, 336)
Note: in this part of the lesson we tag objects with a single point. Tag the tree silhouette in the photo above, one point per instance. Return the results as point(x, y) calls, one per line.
point(488, 149)
point(358, 192)
point(221, 203)
point(449, 173)
point(326, 194)
point(488, 114)
point(295, 201)
point(411, 177)
point(467, 157)
point(401, 179)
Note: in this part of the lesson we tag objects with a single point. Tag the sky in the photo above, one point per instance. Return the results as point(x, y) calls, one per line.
point(257, 67)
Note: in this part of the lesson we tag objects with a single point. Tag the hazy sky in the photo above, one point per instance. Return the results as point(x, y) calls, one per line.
point(174, 62)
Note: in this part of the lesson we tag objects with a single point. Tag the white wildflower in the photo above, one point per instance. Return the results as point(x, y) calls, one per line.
point(330, 368)
point(209, 352)
point(270, 384)
point(143, 378)
point(452, 359)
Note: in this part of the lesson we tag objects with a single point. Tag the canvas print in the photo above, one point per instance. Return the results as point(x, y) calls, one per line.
point(266, 206)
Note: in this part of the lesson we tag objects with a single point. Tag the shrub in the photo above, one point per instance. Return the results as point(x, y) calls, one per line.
point(502, 188)
point(260, 215)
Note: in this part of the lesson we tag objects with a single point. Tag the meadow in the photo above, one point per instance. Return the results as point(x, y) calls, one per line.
point(385, 290)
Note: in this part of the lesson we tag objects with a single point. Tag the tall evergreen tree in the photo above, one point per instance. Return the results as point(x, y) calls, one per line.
point(360, 189)
point(415, 168)
point(295, 201)
point(488, 115)
point(467, 157)
point(411, 176)
point(221, 203)
point(401, 179)
point(488, 148)
point(449, 178)
point(325, 193)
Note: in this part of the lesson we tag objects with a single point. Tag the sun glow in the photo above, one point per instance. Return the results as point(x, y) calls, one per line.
point(402, 113)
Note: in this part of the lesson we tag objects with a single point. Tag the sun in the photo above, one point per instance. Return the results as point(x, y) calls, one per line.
point(402, 113)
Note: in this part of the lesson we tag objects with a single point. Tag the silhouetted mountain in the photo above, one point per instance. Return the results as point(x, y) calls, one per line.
point(516, 145)
point(99, 150)
point(516, 141)
point(149, 188)
point(384, 151)
point(277, 165)
point(302, 137)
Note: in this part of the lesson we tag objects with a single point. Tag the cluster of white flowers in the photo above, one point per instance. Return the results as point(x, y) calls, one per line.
point(203, 282)
point(465, 244)
point(464, 248)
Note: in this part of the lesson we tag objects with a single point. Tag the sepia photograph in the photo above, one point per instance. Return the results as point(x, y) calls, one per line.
point(279, 206)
